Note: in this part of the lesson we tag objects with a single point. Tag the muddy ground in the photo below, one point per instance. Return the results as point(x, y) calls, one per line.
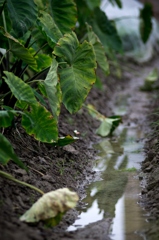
point(71, 166)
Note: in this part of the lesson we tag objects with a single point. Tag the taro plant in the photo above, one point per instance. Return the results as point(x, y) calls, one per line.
point(41, 58)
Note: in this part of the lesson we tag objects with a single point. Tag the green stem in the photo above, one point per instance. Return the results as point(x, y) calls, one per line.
point(10, 177)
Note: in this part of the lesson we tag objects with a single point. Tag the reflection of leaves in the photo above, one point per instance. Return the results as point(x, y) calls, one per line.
point(146, 22)
point(51, 206)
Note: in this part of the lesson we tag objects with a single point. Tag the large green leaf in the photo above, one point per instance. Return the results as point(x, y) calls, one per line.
point(6, 118)
point(23, 15)
point(40, 123)
point(7, 153)
point(77, 78)
point(53, 89)
point(106, 31)
point(19, 50)
point(49, 29)
point(64, 14)
point(21, 90)
point(98, 49)
point(146, 22)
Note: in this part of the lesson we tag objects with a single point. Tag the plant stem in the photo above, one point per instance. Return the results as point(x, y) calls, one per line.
point(10, 177)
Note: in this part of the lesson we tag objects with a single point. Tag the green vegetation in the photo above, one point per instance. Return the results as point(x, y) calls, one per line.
point(50, 51)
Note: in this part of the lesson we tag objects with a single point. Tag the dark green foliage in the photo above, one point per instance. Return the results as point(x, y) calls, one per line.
point(146, 22)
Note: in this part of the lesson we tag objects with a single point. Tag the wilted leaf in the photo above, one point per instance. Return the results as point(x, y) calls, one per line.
point(21, 90)
point(51, 205)
point(40, 123)
point(77, 78)
point(7, 153)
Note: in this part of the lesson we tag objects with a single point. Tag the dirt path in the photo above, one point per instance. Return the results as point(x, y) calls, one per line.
point(70, 166)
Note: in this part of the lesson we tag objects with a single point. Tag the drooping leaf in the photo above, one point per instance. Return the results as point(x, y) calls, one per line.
point(108, 124)
point(146, 22)
point(77, 78)
point(94, 113)
point(105, 127)
point(49, 29)
point(6, 118)
point(7, 153)
point(40, 123)
point(21, 90)
point(98, 49)
point(50, 206)
point(106, 31)
point(23, 15)
point(53, 89)
point(64, 14)
point(19, 50)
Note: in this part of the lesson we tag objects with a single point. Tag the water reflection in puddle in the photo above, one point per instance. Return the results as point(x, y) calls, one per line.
point(115, 194)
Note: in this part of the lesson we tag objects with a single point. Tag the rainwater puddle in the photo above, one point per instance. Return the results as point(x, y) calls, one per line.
point(115, 193)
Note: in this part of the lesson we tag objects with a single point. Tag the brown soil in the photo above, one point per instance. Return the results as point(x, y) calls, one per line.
point(51, 168)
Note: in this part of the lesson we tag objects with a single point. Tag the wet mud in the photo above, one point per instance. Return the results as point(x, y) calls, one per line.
point(74, 165)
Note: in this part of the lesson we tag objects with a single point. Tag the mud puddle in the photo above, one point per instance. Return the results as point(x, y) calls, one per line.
point(116, 191)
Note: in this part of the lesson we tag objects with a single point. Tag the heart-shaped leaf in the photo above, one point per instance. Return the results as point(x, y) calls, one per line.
point(77, 78)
